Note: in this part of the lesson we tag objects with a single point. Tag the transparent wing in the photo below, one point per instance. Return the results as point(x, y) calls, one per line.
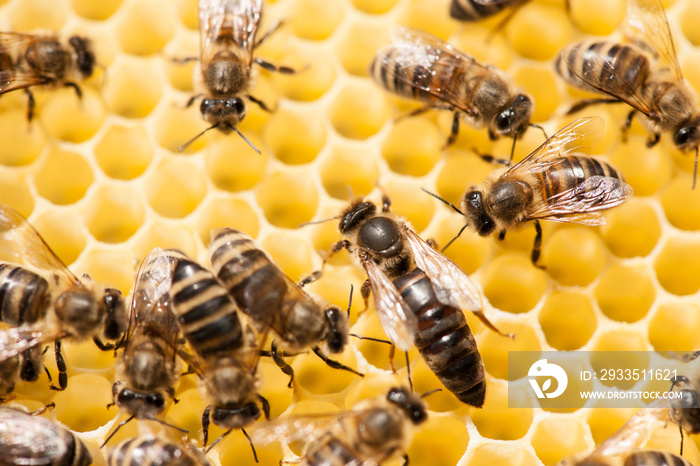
point(14, 44)
point(235, 21)
point(647, 24)
point(16, 340)
point(297, 428)
point(20, 241)
point(29, 440)
point(11, 80)
point(398, 321)
point(451, 284)
point(579, 137)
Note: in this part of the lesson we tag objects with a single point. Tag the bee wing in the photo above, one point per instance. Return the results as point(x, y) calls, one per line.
point(11, 80)
point(237, 20)
point(579, 137)
point(594, 194)
point(295, 428)
point(12, 43)
point(647, 25)
point(21, 241)
point(27, 440)
point(397, 319)
point(451, 284)
point(415, 57)
point(16, 340)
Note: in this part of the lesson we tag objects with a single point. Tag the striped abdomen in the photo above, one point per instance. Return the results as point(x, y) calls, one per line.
point(152, 451)
point(469, 10)
point(569, 172)
point(24, 295)
point(444, 339)
point(330, 451)
point(604, 66)
point(655, 458)
point(206, 314)
point(250, 277)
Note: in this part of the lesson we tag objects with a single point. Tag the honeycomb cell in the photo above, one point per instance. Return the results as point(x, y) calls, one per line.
point(291, 253)
point(605, 420)
point(375, 7)
point(81, 406)
point(619, 348)
point(359, 110)
point(178, 71)
point(311, 373)
point(578, 265)
point(675, 326)
point(677, 266)
point(691, 73)
point(625, 293)
point(316, 73)
point(632, 229)
point(282, 209)
point(440, 440)
point(469, 252)
point(187, 11)
point(559, 436)
point(175, 188)
point(478, 40)
point(688, 22)
point(23, 140)
point(176, 125)
point(30, 15)
point(426, 15)
point(315, 19)
point(681, 205)
point(86, 355)
point(567, 320)
point(165, 235)
point(599, 17)
point(334, 288)
point(232, 165)
point(540, 84)
point(187, 414)
point(495, 420)
point(63, 177)
point(133, 88)
point(235, 449)
point(15, 192)
point(412, 146)
point(69, 118)
point(110, 267)
point(529, 39)
point(494, 348)
point(407, 202)
point(459, 172)
point(491, 453)
point(378, 353)
point(145, 27)
point(124, 152)
point(645, 169)
point(347, 168)
point(358, 44)
point(511, 283)
point(113, 213)
point(223, 212)
point(95, 10)
point(295, 137)
point(274, 387)
point(63, 232)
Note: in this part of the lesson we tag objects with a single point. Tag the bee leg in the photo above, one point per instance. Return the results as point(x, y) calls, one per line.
point(653, 140)
point(250, 441)
point(405, 460)
point(453, 132)
point(191, 100)
point(536, 248)
point(103, 346)
point(279, 69)
point(260, 104)
point(268, 33)
point(365, 290)
point(61, 365)
point(183, 60)
point(627, 124)
point(581, 104)
point(31, 103)
point(75, 87)
point(43, 409)
point(408, 371)
point(265, 405)
point(315, 275)
point(281, 363)
point(490, 158)
point(334, 364)
point(392, 352)
point(170, 391)
point(205, 425)
point(502, 235)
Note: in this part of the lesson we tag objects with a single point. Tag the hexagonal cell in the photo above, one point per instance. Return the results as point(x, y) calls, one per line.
point(177, 125)
point(559, 436)
point(469, 252)
point(599, 17)
point(489, 454)
point(494, 348)
point(187, 11)
point(81, 406)
point(495, 420)
point(578, 265)
point(632, 229)
point(180, 74)
point(619, 348)
point(70, 118)
point(568, 320)
point(291, 253)
point(682, 205)
point(358, 44)
point(175, 188)
point(133, 88)
point(406, 202)
point(36, 14)
point(63, 232)
point(423, 14)
point(688, 22)
point(311, 373)
point(95, 10)
point(165, 235)
point(376, 7)
point(235, 449)
point(440, 440)
point(281, 209)
point(511, 283)
point(359, 110)
point(479, 41)
point(145, 27)
point(124, 152)
point(625, 293)
point(232, 165)
point(114, 212)
point(110, 267)
point(63, 177)
point(223, 212)
point(605, 420)
point(24, 140)
point(295, 137)
point(675, 326)
point(187, 414)
point(645, 169)
point(459, 172)
point(316, 72)
point(677, 265)
point(343, 170)
point(315, 19)
point(412, 146)
point(15, 192)
point(530, 40)
point(540, 83)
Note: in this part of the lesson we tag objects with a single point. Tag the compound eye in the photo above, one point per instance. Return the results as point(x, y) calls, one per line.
point(683, 135)
point(475, 199)
point(503, 121)
point(237, 105)
point(206, 103)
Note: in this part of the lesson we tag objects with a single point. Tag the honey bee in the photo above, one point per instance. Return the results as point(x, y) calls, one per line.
point(476, 10)
point(422, 67)
point(636, 458)
point(27, 439)
point(153, 451)
point(42, 309)
point(227, 30)
point(225, 355)
point(28, 60)
point(272, 300)
point(374, 431)
point(147, 366)
point(644, 73)
point(557, 182)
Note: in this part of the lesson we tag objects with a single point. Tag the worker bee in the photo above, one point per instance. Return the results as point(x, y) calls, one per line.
point(27, 439)
point(225, 354)
point(557, 182)
point(373, 432)
point(476, 10)
point(422, 67)
point(147, 366)
point(635, 458)
point(28, 60)
point(227, 30)
point(52, 307)
point(644, 73)
point(271, 300)
point(153, 451)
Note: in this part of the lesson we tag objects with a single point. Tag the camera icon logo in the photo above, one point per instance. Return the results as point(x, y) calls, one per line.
point(541, 369)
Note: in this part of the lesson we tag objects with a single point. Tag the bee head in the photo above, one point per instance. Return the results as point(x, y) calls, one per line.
point(225, 113)
point(515, 118)
point(688, 136)
point(115, 314)
point(476, 216)
point(145, 404)
point(85, 55)
point(235, 417)
point(411, 404)
point(355, 215)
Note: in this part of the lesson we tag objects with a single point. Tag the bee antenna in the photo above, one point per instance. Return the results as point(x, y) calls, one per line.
point(316, 222)
point(533, 125)
point(246, 140)
point(350, 300)
point(187, 144)
point(443, 201)
point(453, 239)
point(695, 168)
point(109, 437)
point(430, 392)
point(184, 431)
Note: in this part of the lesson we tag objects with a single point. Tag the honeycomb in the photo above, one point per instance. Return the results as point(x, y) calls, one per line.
point(101, 179)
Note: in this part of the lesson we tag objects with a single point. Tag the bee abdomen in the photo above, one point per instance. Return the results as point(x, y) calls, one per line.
point(331, 452)
point(569, 172)
point(151, 451)
point(655, 458)
point(468, 10)
point(24, 295)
